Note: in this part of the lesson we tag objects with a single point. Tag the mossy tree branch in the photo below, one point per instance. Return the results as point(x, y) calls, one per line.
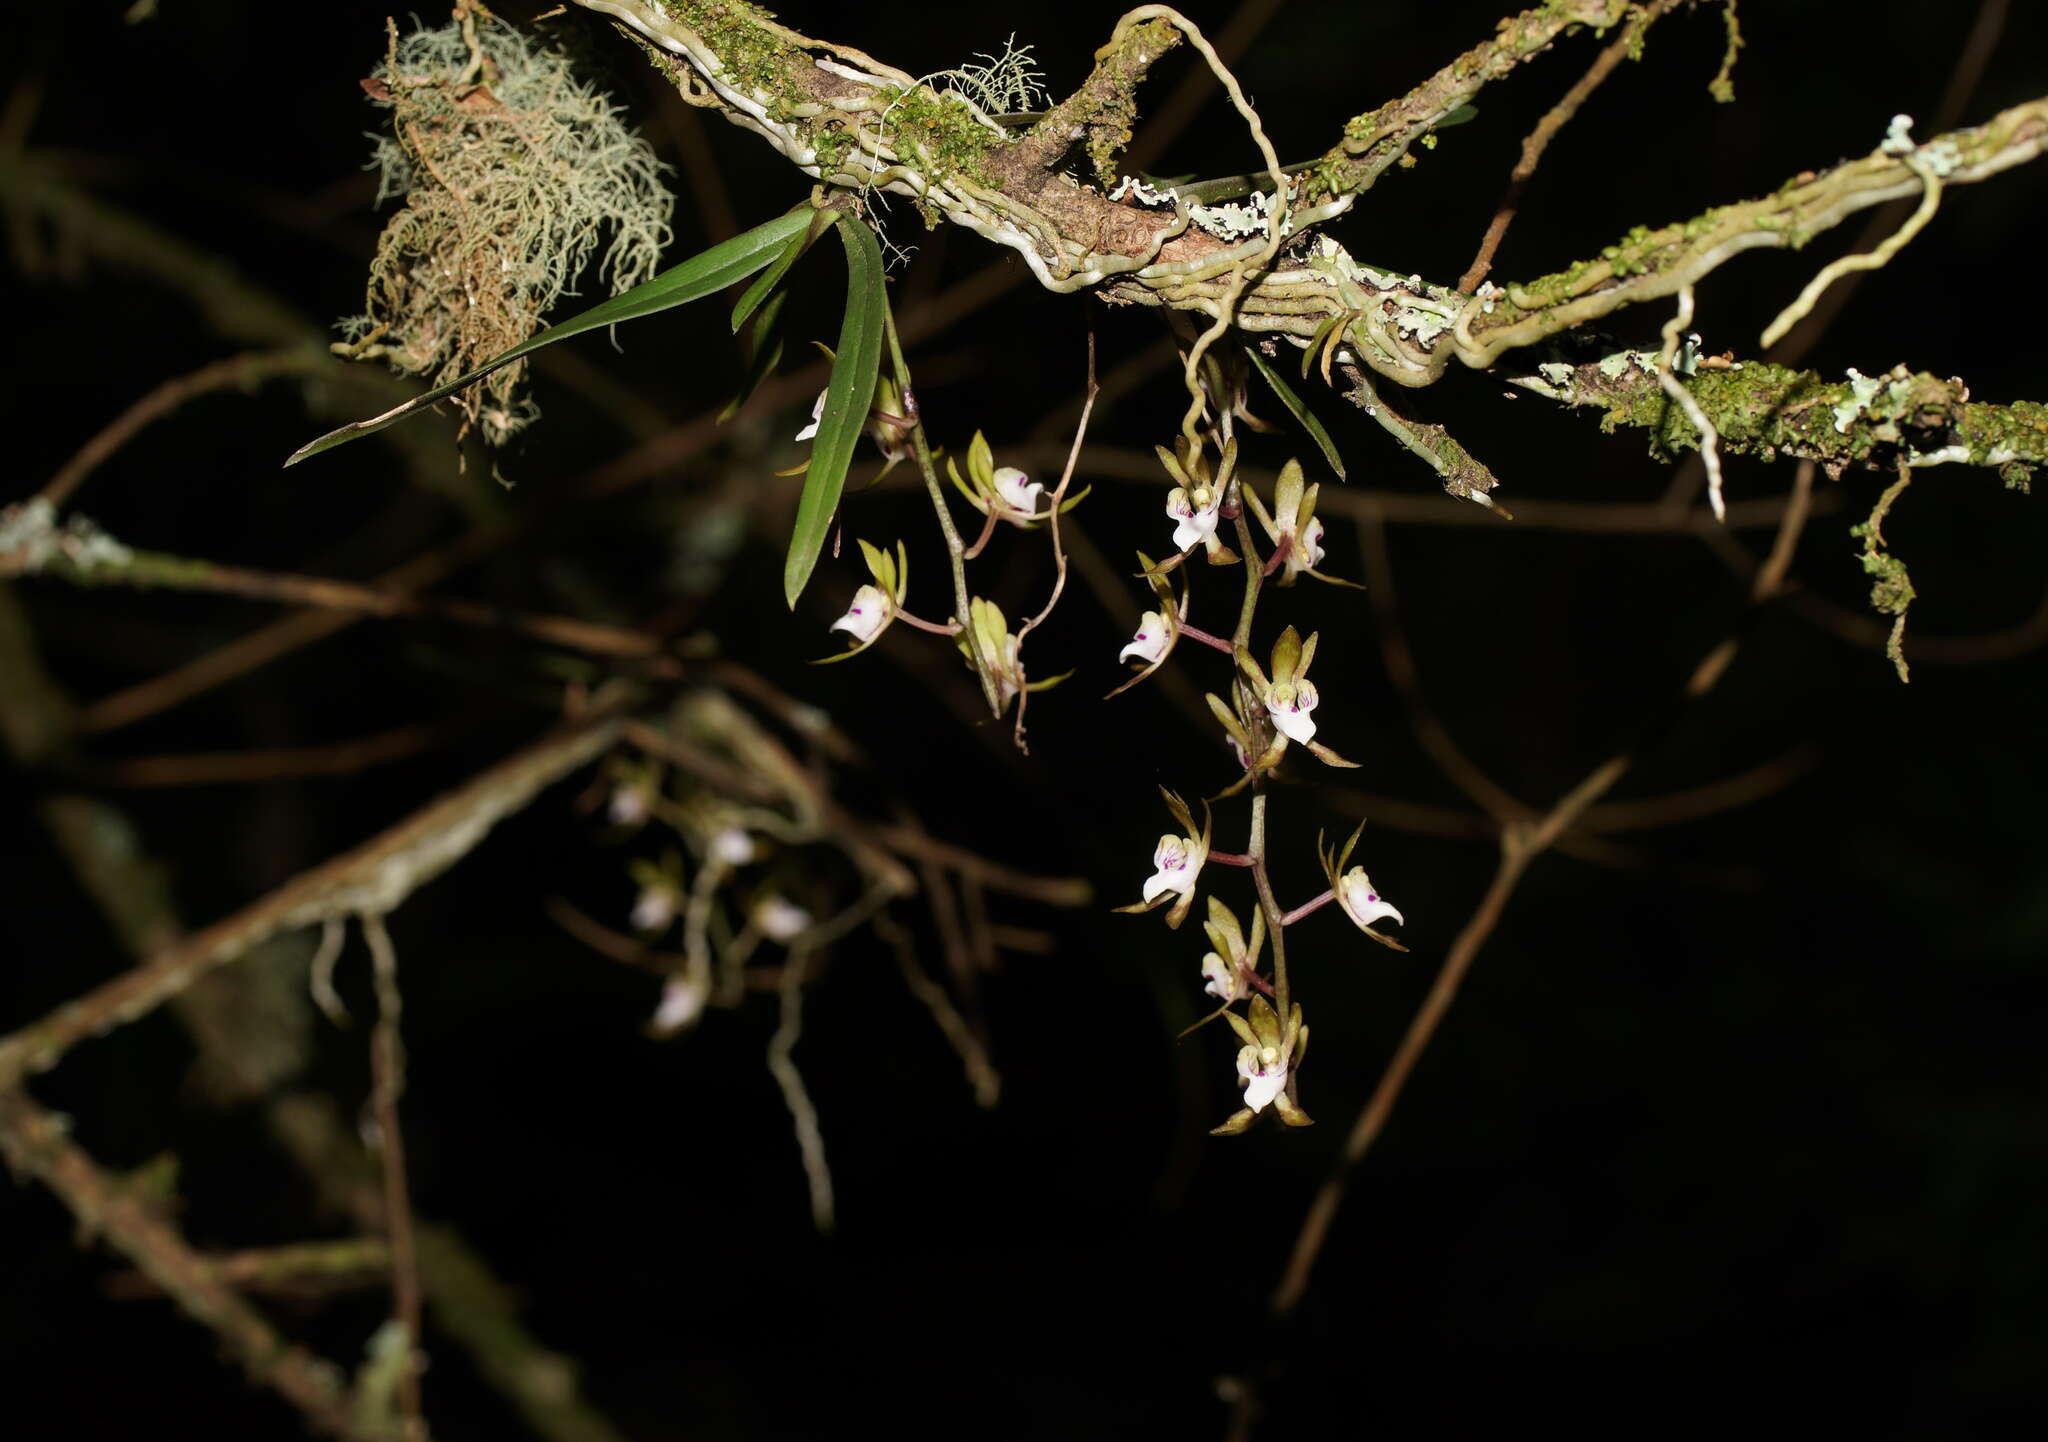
point(853, 122)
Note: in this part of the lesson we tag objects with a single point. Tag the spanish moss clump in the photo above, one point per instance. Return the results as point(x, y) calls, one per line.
point(511, 169)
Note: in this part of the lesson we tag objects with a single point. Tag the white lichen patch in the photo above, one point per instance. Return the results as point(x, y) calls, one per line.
point(31, 540)
point(512, 169)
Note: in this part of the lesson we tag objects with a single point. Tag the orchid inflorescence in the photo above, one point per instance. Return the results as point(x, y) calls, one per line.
point(1267, 711)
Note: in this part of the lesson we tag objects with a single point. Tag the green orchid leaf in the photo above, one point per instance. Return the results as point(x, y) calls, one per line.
point(765, 284)
point(849, 395)
point(764, 343)
point(701, 275)
point(1300, 410)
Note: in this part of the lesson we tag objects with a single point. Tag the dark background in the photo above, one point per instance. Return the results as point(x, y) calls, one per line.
point(1744, 1132)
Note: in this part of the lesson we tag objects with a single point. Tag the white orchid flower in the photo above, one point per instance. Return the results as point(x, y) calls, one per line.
point(732, 845)
point(629, 805)
point(866, 616)
point(1177, 863)
point(1293, 526)
point(1226, 982)
point(1358, 898)
point(1310, 544)
point(1194, 514)
point(1266, 1063)
point(654, 908)
point(780, 919)
point(1018, 492)
point(682, 1002)
point(1150, 642)
point(817, 415)
point(1288, 697)
point(1361, 902)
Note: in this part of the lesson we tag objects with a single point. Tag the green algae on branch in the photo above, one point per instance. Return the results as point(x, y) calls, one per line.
point(1769, 410)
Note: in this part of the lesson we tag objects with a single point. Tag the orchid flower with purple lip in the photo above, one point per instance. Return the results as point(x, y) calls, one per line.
point(1356, 896)
point(1294, 528)
point(1150, 644)
point(1288, 699)
point(1003, 493)
point(1195, 514)
point(1158, 631)
point(874, 607)
point(1198, 503)
point(1267, 1064)
point(1177, 863)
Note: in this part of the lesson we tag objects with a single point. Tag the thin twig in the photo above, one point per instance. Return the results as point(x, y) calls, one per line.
point(241, 372)
point(1520, 844)
point(781, 1047)
point(35, 1143)
point(387, 1072)
point(1554, 120)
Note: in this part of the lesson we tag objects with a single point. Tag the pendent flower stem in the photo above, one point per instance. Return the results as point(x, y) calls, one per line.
point(1205, 638)
point(950, 628)
point(1275, 922)
point(1314, 904)
point(920, 446)
point(1229, 858)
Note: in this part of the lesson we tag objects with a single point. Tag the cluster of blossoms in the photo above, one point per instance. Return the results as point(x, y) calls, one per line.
point(1269, 709)
point(1265, 712)
point(724, 848)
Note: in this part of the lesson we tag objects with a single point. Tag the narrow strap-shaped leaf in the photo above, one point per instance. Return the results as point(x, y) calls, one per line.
point(765, 283)
point(701, 275)
point(766, 343)
point(1300, 410)
point(848, 397)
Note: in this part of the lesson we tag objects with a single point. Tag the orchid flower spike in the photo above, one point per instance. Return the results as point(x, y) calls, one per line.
point(1266, 1064)
point(1356, 895)
point(1177, 863)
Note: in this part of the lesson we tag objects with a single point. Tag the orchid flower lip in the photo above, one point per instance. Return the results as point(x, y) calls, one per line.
point(1193, 524)
point(1361, 902)
point(1150, 642)
point(1265, 1074)
point(1289, 706)
point(1017, 490)
point(1176, 868)
point(865, 617)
